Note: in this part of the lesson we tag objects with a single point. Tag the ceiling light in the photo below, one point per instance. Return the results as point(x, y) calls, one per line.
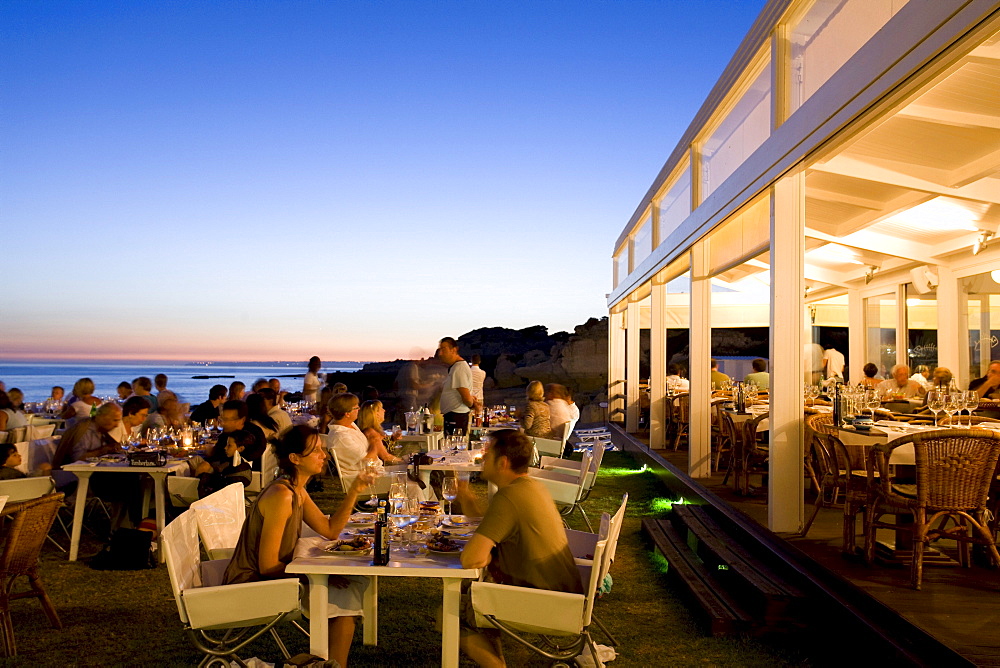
point(870, 274)
point(984, 236)
point(995, 275)
point(942, 214)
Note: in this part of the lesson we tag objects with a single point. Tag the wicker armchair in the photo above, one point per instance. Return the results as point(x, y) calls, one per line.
point(679, 408)
point(32, 521)
point(749, 455)
point(954, 470)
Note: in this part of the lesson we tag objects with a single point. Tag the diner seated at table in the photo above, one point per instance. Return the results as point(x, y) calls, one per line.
point(282, 419)
point(54, 404)
point(988, 387)
point(718, 378)
point(559, 413)
point(170, 415)
point(675, 383)
point(371, 415)
point(10, 416)
point(871, 379)
point(257, 415)
point(143, 387)
point(234, 416)
point(760, 377)
point(274, 522)
point(225, 464)
point(237, 391)
point(209, 410)
point(900, 386)
point(9, 459)
point(521, 540)
point(81, 403)
point(536, 420)
point(346, 438)
point(135, 410)
point(275, 384)
point(124, 390)
point(922, 374)
point(160, 381)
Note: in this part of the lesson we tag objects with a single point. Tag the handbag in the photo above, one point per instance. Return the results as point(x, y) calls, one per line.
point(128, 550)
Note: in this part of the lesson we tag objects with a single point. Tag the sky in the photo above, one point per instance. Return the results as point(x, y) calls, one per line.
point(355, 180)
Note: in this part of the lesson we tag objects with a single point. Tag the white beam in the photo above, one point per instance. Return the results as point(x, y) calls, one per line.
point(632, 354)
point(699, 363)
point(950, 326)
point(875, 242)
point(785, 486)
point(964, 119)
point(658, 365)
point(616, 367)
point(856, 327)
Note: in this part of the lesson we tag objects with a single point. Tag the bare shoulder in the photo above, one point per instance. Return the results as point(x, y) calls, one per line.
point(274, 497)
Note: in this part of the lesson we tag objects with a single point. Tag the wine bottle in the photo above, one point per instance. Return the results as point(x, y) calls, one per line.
point(381, 556)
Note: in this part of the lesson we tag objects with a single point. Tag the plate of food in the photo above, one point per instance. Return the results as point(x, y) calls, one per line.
point(444, 545)
point(458, 521)
point(359, 520)
point(348, 547)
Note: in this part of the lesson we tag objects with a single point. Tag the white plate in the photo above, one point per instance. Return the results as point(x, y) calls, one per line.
point(347, 553)
point(449, 552)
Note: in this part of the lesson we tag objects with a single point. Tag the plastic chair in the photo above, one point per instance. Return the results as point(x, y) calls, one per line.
point(32, 520)
point(518, 612)
point(547, 446)
point(572, 466)
point(381, 484)
point(38, 432)
point(220, 518)
point(241, 612)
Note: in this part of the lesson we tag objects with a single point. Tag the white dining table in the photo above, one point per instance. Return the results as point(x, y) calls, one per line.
point(319, 565)
point(85, 469)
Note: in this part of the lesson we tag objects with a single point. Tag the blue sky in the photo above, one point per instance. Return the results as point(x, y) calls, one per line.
point(272, 180)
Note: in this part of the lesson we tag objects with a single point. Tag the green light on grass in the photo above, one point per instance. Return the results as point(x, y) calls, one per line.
point(617, 471)
point(661, 505)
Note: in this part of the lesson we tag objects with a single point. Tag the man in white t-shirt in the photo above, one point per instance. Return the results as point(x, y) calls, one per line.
point(833, 363)
point(456, 393)
point(478, 379)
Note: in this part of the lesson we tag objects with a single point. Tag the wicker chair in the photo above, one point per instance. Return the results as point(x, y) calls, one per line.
point(954, 470)
point(751, 457)
point(32, 521)
point(680, 411)
point(976, 419)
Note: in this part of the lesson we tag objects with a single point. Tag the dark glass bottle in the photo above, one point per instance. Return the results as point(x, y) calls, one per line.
point(381, 556)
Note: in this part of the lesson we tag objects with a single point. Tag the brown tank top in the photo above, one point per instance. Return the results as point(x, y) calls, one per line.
point(244, 566)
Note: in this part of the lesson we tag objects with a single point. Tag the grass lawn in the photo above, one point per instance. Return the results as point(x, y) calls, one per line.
point(129, 618)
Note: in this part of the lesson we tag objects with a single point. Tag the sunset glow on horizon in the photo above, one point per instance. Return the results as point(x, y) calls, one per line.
point(271, 181)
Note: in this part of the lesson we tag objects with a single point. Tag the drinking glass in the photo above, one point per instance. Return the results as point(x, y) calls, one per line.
point(971, 403)
point(397, 496)
point(953, 403)
point(374, 467)
point(935, 402)
point(872, 402)
point(449, 490)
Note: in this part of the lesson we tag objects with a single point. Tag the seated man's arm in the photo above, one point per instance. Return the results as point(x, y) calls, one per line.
point(476, 553)
point(468, 501)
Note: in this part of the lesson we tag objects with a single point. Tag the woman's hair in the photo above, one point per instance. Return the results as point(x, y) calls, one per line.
point(83, 388)
point(16, 397)
point(339, 388)
point(256, 412)
point(535, 391)
point(6, 450)
point(366, 417)
point(235, 388)
point(315, 364)
point(5, 401)
point(870, 370)
point(342, 404)
point(267, 394)
point(296, 441)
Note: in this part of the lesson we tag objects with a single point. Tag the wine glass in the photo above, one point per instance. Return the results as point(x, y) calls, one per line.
point(952, 404)
point(449, 490)
point(373, 467)
point(971, 403)
point(935, 402)
point(872, 401)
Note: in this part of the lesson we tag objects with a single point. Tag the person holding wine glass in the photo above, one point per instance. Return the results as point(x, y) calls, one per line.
point(371, 415)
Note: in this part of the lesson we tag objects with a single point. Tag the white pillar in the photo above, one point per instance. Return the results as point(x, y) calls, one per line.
point(632, 353)
point(951, 322)
point(785, 486)
point(657, 364)
point(985, 336)
point(616, 366)
point(856, 340)
point(902, 327)
point(699, 362)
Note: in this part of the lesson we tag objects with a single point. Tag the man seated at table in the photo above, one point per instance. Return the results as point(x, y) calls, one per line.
point(210, 409)
point(281, 418)
point(718, 378)
point(521, 540)
point(988, 387)
point(760, 377)
point(234, 417)
point(135, 410)
point(900, 386)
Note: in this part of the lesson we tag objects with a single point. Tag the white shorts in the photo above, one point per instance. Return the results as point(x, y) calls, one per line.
point(346, 602)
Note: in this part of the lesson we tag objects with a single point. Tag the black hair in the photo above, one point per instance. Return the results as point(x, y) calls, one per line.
point(6, 451)
point(236, 405)
point(295, 442)
point(133, 405)
point(515, 446)
point(257, 413)
point(217, 392)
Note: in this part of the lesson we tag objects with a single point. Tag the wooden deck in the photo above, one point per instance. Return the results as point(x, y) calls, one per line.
point(958, 607)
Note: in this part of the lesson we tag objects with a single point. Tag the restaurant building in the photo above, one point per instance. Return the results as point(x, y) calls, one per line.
point(844, 172)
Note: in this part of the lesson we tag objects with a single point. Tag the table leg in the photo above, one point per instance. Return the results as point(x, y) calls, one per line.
point(452, 592)
point(318, 607)
point(161, 511)
point(83, 482)
point(371, 612)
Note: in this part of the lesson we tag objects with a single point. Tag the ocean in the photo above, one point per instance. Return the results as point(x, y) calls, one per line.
point(36, 379)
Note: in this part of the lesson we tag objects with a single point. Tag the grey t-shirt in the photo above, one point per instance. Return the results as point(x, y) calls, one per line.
point(459, 375)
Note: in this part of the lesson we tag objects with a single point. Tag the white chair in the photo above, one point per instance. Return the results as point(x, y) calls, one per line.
point(38, 432)
point(262, 478)
point(555, 615)
point(381, 485)
point(547, 446)
point(241, 612)
point(25, 489)
point(572, 466)
point(15, 435)
point(566, 490)
point(220, 518)
point(581, 543)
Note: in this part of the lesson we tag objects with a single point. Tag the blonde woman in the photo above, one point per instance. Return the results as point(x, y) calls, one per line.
point(81, 403)
point(370, 419)
point(535, 420)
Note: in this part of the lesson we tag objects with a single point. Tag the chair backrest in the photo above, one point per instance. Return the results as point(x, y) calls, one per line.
point(23, 489)
point(548, 446)
point(32, 520)
point(220, 518)
point(563, 432)
point(615, 530)
point(821, 423)
point(955, 467)
point(336, 462)
point(24, 449)
point(584, 475)
point(268, 466)
point(36, 432)
point(597, 573)
point(750, 431)
point(17, 434)
point(183, 557)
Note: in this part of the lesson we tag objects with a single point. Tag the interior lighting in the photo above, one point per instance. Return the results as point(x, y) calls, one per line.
point(870, 274)
point(941, 214)
point(995, 275)
point(984, 236)
point(838, 252)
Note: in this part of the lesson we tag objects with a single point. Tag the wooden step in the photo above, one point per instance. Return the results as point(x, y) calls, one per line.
point(721, 613)
point(758, 586)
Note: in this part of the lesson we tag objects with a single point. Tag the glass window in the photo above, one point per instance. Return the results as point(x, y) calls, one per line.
point(642, 241)
point(921, 325)
point(827, 35)
point(739, 134)
point(675, 205)
point(983, 311)
point(620, 266)
point(880, 332)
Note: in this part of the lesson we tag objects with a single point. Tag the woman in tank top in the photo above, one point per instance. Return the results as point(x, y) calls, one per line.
point(271, 530)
